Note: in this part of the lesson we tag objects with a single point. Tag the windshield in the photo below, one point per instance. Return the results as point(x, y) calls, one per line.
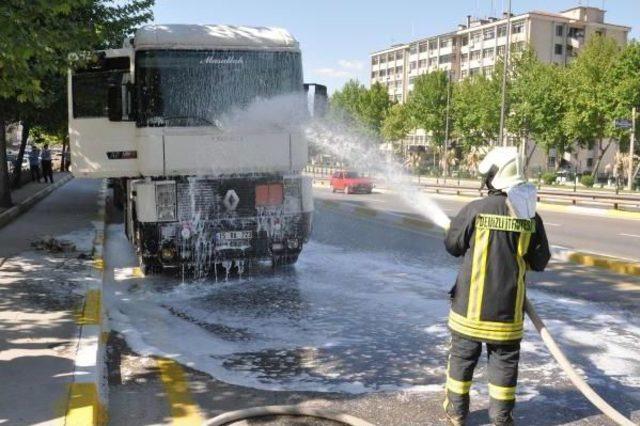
point(351, 175)
point(194, 88)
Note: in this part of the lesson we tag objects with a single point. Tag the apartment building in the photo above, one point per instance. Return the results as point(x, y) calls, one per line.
point(475, 46)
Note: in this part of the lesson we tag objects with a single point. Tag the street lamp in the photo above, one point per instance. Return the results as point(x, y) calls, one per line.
point(507, 47)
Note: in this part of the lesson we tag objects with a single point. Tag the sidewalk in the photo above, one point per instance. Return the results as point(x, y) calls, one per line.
point(30, 188)
point(40, 292)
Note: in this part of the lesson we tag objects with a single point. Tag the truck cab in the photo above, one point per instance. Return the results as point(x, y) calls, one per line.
point(197, 191)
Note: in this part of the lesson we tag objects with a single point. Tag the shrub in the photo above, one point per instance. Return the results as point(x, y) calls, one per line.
point(587, 180)
point(549, 178)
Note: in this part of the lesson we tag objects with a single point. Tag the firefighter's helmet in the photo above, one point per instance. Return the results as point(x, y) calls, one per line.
point(501, 168)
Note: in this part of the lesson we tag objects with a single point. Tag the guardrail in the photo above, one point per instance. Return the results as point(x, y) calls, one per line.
point(555, 195)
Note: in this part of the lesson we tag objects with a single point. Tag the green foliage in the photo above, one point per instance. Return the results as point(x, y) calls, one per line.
point(587, 180)
point(590, 85)
point(476, 111)
point(427, 104)
point(361, 107)
point(549, 178)
point(396, 124)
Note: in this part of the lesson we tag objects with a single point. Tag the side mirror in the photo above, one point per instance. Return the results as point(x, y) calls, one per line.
point(318, 99)
point(114, 102)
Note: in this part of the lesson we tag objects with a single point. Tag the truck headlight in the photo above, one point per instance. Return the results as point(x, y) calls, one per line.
point(166, 201)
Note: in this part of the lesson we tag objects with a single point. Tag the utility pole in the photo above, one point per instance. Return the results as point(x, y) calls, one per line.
point(507, 48)
point(446, 129)
point(631, 150)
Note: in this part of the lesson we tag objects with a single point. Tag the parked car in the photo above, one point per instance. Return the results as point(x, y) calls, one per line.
point(351, 182)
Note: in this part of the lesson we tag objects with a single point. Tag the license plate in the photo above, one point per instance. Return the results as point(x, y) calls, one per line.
point(233, 239)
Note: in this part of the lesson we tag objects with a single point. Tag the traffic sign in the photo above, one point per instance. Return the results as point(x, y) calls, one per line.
point(622, 123)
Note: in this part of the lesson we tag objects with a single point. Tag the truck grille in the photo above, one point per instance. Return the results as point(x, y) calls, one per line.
point(204, 199)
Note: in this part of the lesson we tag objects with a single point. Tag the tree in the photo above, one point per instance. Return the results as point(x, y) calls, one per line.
point(538, 103)
point(361, 107)
point(476, 108)
point(626, 76)
point(40, 39)
point(396, 124)
point(427, 105)
point(589, 118)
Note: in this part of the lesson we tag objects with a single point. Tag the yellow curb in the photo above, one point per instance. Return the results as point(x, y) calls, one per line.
point(615, 265)
point(84, 406)
point(184, 411)
point(98, 263)
point(90, 314)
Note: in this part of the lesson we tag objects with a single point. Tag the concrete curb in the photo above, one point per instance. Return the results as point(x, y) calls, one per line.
point(88, 392)
point(561, 254)
point(15, 211)
point(560, 208)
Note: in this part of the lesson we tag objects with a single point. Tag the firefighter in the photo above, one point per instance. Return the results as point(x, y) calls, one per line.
point(499, 237)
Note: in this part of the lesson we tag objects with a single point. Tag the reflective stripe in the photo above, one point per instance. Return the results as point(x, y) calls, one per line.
point(523, 246)
point(502, 393)
point(478, 272)
point(456, 386)
point(505, 223)
point(485, 325)
point(479, 332)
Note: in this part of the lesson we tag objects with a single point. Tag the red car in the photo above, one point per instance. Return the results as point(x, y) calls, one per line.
point(350, 183)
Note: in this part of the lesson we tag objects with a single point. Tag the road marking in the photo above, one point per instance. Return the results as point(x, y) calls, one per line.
point(551, 224)
point(184, 410)
point(630, 235)
point(84, 406)
point(90, 314)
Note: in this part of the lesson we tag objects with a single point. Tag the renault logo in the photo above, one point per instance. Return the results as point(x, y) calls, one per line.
point(231, 200)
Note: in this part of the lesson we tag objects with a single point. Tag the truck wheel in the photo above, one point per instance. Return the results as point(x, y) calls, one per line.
point(333, 189)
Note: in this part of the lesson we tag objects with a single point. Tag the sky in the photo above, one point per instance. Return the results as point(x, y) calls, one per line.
point(337, 36)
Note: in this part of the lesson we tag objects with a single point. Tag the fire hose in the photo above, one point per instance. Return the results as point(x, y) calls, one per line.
point(286, 410)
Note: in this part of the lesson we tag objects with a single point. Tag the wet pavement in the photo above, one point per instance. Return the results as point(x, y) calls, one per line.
point(358, 324)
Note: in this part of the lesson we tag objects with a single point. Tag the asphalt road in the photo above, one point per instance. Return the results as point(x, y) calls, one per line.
point(358, 325)
point(600, 235)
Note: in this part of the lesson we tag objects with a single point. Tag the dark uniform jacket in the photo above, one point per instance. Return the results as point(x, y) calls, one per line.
point(488, 297)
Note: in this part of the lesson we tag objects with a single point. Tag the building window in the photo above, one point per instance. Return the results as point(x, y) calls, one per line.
point(474, 71)
point(557, 49)
point(576, 33)
point(559, 30)
point(433, 44)
point(551, 162)
point(445, 59)
point(489, 33)
point(517, 28)
point(519, 46)
point(500, 51)
point(464, 73)
point(399, 56)
point(464, 57)
point(412, 80)
point(487, 53)
point(433, 61)
point(413, 49)
point(374, 60)
point(423, 47)
point(488, 71)
point(445, 42)
point(413, 65)
point(502, 31)
point(476, 37)
point(465, 40)
point(475, 55)
point(589, 162)
point(383, 73)
point(422, 63)
point(374, 74)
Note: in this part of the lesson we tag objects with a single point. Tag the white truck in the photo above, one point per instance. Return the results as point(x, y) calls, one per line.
point(195, 194)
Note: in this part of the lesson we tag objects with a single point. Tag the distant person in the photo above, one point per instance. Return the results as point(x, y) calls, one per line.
point(500, 237)
point(66, 160)
point(34, 163)
point(47, 168)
